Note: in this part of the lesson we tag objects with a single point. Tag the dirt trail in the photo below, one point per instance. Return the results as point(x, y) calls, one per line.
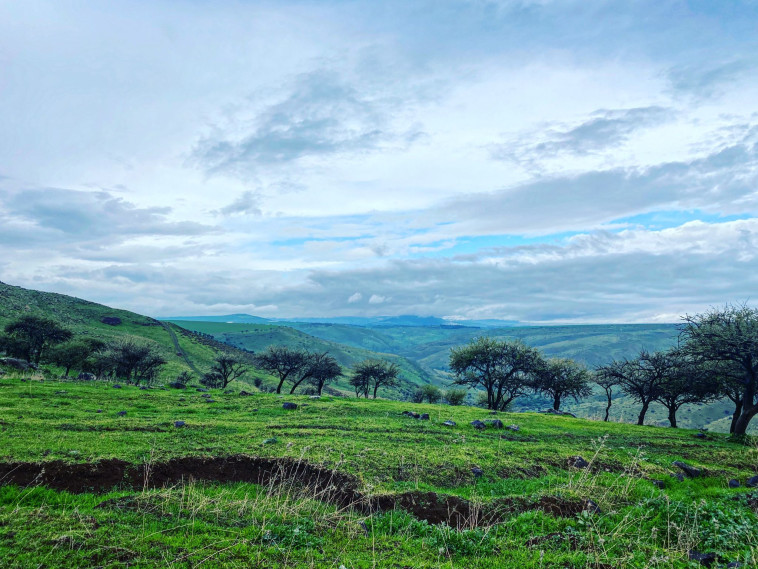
point(323, 484)
point(177, 347)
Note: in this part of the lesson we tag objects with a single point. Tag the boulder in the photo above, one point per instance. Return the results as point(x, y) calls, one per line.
point(495, 423)
point(513, 427)
point(84, 376)
point(121, 413)
point(591, 506)
point(424, 417)
point(700, 435)
point(658, 483)
point(478, 425)
point(99, 411)
point(116, 386)
point(210, 400)
point(477, 472)
point(206, 395)
point(734, 483)
point(752, 482)
point(143, 387)
point(689, 471)
point(288, 405)
point(449, 423)
point(704, 559)
point(244, 393)
point(578, 462)
point(179, 423)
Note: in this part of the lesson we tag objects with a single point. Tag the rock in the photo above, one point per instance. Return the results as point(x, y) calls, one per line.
point(202, 390)
point(244, 393)
point(658, 483)
point(143, 388)
point(255, 410)
point(206, 395)
point(689, 471)
point(288, 405)
point(271, 441)
point(177, 385)
point(591, 506)
point(705, 559)
point(179, 423)
point(84, 376)
point(121, 413)
point(478, 425)
point(679, 476)
point(700, 435)
point(559, 412)
point(578, 462)
point(477, 472)
point(61, 392)
point(449, 423)
point(513, 427)
point(182, 399)
point(111, 320)
point(99, 411)
point(734, 483)
point(752, 482)
point(315, 397)
point(495, 423)
point(424, 417)
point(734, 565)
point(116, 386)
point(210, 400)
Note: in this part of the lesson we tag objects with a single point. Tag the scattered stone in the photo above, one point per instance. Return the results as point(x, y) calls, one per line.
point(477, 472)
point(513, 427)
point(495, 423)
point(182, 399)
point(116, 386)
point(679, 476)
point(271, 441)
point(210, 400)
point(752, 482)
point(734, 565)
point(591, 506)
point(478, 425)
point(206, 395)
point(449, 423)
point(315, 397)
point(177, 385)
point(179, 423)
point(143, 387)
point(202, 390)
point(659, 483)
point(700, 436)
point(288, 405)
point(734, 483)
point(705, 559)
point(578, 462)
point(689, 471)
point(244, 393)
point(61, 392)
point(255, 410)
point(424, 417)
point(84, 376)
point(121, 413)
point(99, 411)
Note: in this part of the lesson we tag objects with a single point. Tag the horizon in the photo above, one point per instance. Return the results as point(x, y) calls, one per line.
point(550, 163)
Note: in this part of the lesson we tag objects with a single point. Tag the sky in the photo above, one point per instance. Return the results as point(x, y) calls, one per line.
point(546, 161)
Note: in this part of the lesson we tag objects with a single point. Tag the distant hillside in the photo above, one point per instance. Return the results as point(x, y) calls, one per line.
point(229, 318)
point(256, 337)
point(182, 351)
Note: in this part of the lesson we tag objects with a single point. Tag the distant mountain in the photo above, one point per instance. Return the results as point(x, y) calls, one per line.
point(228, 318)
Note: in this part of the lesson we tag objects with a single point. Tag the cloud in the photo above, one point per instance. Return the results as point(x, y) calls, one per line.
point(354, 298)
point(706, 80)
point(248, 203)
point(377, 299)
point(604, 130)
point(322, 114)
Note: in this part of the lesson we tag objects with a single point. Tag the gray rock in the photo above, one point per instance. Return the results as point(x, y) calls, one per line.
point(689, 471)
point(495, 423)
point(578, 462)
point(206, 395)
point(449, 423)
point(143, 388)
point(210, 400)
point(659, 483)
point(752, 482)
point(734, 483)
point(478, 425)
point(244, 393)
point(424, 417)
point(705, 559)
point(202, 390)
point(700, 436)
point(477, 472)
point(121, 413)
point(179, 423)
point(591, 506)
point(99, 411)
point(63, 392)
point(116, 386)
point(679, 476)
point(513, 427)
point(288, 405)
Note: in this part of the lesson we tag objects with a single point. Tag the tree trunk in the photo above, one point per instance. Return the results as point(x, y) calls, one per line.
point(736, 416)
point(376, 388)
point(556, 402)
point(608, 408)
point(672, 417)
point(740, 426)
point(279, 387)
point(320, 387)
point(643, 412)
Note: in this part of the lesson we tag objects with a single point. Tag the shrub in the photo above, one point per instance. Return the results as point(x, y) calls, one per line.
point(455, 396)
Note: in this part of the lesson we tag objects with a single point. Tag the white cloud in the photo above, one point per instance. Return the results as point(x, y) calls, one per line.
point(354, 298)
point(377, 299)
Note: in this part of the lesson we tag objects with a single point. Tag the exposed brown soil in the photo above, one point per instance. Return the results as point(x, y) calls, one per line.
point(327, 485)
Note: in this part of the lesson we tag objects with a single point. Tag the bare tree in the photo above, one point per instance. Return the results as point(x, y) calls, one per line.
point(281, 361)
point(559, 378)
point(373, 374)
point(224, 370)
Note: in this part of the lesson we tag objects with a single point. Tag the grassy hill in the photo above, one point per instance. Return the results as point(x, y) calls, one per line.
point(183, 352)
point(340, 482)
point(256, 337)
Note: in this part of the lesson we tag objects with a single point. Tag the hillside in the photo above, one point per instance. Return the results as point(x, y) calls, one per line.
point(256, 337)
point(182, 352)
point(169, 478)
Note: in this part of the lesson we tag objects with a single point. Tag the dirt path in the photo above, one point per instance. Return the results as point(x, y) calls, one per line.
point(178, 348)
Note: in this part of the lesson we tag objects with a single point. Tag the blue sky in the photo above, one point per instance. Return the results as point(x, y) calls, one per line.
point(532, 160)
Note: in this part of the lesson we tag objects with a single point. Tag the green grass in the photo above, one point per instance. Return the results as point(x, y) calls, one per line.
point(214, 525)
